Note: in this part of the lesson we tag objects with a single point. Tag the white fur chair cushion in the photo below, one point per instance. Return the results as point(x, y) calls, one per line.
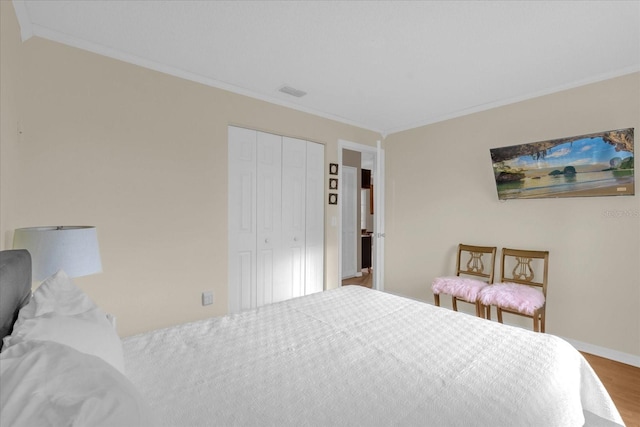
point(459, 287)
point(522, 298)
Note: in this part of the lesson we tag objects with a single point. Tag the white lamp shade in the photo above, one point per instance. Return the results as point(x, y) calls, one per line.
point(73, 249)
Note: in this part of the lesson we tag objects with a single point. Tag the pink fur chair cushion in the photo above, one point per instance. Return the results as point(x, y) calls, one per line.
point(460, 287)
point(522, 298)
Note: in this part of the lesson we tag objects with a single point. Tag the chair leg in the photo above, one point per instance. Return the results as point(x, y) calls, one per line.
point(436, 299)
point(542, 316)
point(499, 314)
point(538, 319)
point(482, 311)
point(454, 303)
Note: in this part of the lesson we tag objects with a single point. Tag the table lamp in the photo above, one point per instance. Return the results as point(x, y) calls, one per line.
point(73, 249)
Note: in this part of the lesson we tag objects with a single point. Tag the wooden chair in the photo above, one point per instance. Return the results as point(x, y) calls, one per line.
point(523, 287)
point(463, 288)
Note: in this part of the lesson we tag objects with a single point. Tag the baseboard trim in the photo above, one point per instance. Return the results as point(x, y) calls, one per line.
point(607, 353)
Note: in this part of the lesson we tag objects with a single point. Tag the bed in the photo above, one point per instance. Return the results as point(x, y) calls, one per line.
point(344, 357)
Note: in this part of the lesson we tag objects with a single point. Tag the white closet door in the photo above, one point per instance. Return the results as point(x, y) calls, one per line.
point(294, 160)
point(314, 274)
point(276, 218)
point(242, 219)
point(269, 230)
point(350, 224)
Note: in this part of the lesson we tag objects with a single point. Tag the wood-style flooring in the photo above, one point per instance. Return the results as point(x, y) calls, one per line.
point(621, 381)
point(623, 384)
point(365, 280)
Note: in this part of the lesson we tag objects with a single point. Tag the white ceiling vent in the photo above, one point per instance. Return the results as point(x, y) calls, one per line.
point(292, 91)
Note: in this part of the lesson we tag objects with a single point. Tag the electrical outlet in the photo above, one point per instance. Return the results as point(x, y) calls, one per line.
point(207, 298)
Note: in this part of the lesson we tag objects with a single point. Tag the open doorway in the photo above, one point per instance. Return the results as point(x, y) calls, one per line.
point(361, 208)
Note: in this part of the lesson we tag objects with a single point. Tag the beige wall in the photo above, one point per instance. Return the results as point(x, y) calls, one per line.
point(9, 116)
point(441, 191)
point(142, 156)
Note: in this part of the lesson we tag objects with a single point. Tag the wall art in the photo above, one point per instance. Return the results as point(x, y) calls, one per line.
point(596, 164)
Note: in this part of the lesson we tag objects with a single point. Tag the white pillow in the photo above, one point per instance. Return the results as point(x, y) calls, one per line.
point(57, 294)
point(59, 311)
point(81, 333)
point(46, 383)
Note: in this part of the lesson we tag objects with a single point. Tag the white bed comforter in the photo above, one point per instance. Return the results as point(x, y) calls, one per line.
point(46, 383)
point(356, 357)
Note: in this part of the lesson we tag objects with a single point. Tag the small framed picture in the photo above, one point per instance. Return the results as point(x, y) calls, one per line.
point(333, 183)
point(333, 199)
point(333, 169)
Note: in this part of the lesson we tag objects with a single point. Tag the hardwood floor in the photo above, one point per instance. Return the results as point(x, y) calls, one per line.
point(623, 384)
point(366, 280)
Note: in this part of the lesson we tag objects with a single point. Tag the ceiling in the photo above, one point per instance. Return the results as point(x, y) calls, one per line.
point(386, 66)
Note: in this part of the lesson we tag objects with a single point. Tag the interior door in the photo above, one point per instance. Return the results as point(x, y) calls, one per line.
point(379, 202)
point(294, 158)
point(268, 225)
point(276, 218)
point(350, 224)
point(242, 219)
point(379, 233)
point(314, 251)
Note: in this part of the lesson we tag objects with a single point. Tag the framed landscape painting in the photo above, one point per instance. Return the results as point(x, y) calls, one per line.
point(597, 164)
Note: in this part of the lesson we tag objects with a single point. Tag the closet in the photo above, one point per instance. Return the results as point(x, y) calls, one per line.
point(276, 218)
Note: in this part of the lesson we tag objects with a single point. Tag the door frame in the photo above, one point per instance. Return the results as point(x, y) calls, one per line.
point(378, 206)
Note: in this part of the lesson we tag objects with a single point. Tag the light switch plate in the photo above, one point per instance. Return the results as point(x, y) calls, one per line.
point(207, 298)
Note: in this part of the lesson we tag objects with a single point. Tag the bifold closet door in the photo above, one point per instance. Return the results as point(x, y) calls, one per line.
point(314, 265)
point(256, 265)
point(294, 164)
point(276, 218)
point(270, 256)
point(242, 219)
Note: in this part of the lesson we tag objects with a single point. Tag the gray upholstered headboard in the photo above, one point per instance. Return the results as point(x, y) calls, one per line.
point(15, 287)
